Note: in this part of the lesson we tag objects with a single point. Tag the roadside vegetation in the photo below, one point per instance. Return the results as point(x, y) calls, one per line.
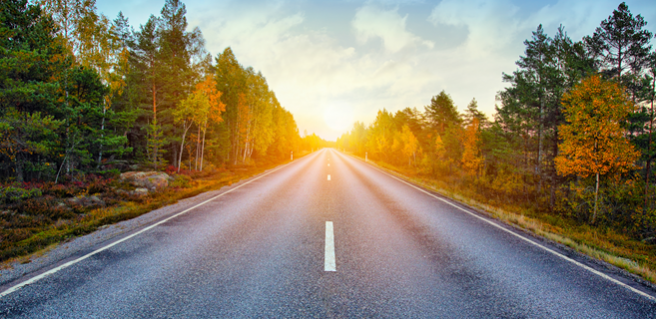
point(84, 98)
point(568, 154)
point(38, 215)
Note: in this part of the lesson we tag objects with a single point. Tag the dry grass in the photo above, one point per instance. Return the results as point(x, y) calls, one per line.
point(603, 244)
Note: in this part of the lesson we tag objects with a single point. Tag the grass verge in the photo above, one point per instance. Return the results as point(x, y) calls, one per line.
point(617, 249)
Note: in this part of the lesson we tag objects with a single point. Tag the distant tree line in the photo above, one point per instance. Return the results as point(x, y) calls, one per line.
point(572, 133)
point(80, 93)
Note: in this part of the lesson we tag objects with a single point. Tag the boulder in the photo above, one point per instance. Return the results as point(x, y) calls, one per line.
point(86, 201)
point(151, 180)
point(140, 191)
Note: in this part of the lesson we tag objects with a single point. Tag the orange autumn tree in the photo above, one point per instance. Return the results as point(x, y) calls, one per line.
point(201, 106)
point(471, 159)
point(212, 113)
point(593, 141)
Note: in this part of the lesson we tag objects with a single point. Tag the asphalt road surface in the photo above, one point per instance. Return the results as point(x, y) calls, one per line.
point(327, 236)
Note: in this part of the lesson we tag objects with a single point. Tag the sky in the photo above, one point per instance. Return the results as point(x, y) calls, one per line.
point(335, 62)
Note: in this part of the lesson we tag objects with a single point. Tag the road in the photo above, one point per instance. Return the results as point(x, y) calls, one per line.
point(262, 250)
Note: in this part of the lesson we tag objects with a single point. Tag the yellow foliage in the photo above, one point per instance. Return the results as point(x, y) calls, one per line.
point(471, 159)
point(409, 141)
point(593, 139)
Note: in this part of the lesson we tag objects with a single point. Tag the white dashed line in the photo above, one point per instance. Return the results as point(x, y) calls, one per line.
point(328, 176)
point(329, 260)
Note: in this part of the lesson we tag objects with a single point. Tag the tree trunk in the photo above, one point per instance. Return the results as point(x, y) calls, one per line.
point(202, 149)
point(155, 146)
point(197, 147)
point(247, 144)
point(538, 171)
point(102, 134)
point(594, 215)
point(19, 169)
point(148, 138)
point(649, 157)
point(554, 174)
point(184, 134)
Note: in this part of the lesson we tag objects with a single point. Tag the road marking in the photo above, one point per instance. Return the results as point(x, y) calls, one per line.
point(596, 272)
point(328, 164)
point(329, 260)
point(328, 176)
point(75, 261)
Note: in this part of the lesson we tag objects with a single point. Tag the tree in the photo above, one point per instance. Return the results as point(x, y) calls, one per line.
point(231, 80)
point(621, 42)
point(593, 141)
point(210, 111)
point(31, 111)
point(76, 19)
point(650, 152)
point(473, 112)
point(188, 112)
point(471, 159)
point(148, 65)
point(442, 112)
point(409, 142)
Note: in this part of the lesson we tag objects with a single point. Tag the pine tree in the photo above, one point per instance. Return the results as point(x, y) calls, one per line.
point(31, 62)
point(442, 112)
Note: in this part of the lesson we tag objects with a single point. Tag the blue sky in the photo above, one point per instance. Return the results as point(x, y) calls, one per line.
point(335, 62)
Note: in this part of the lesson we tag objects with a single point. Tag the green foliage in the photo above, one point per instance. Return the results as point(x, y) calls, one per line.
point(82, 94)
point(181, 181)
point(11, 195)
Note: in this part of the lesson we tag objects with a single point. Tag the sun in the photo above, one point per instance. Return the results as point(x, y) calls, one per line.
point(338, 116)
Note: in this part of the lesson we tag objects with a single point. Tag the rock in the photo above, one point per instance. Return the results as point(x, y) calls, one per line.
point(76, 200)
point(150, 180)
point(95, 200)
point(86, 201)
point(140, 191)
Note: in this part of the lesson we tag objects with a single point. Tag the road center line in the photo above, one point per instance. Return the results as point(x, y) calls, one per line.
point(329, 260)
point(592, 270)
point(328, 176)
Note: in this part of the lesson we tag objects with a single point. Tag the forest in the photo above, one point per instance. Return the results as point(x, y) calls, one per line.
point(571, 139)
point(83, 94)
point(86, 102)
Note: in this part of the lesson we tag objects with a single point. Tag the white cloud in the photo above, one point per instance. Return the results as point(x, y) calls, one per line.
point(492, 25)
point(373, 22)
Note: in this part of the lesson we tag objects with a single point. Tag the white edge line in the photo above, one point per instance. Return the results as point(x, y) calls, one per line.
point(524, 238)
point(75, 261)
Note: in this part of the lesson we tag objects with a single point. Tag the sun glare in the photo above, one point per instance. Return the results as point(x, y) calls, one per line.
point(338, 116)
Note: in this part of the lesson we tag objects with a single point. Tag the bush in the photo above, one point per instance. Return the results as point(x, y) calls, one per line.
point(10, 194)
point(181, 181)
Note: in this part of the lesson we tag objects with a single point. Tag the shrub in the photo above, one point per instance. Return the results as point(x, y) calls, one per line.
point(181, 181)
point(10, 194)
